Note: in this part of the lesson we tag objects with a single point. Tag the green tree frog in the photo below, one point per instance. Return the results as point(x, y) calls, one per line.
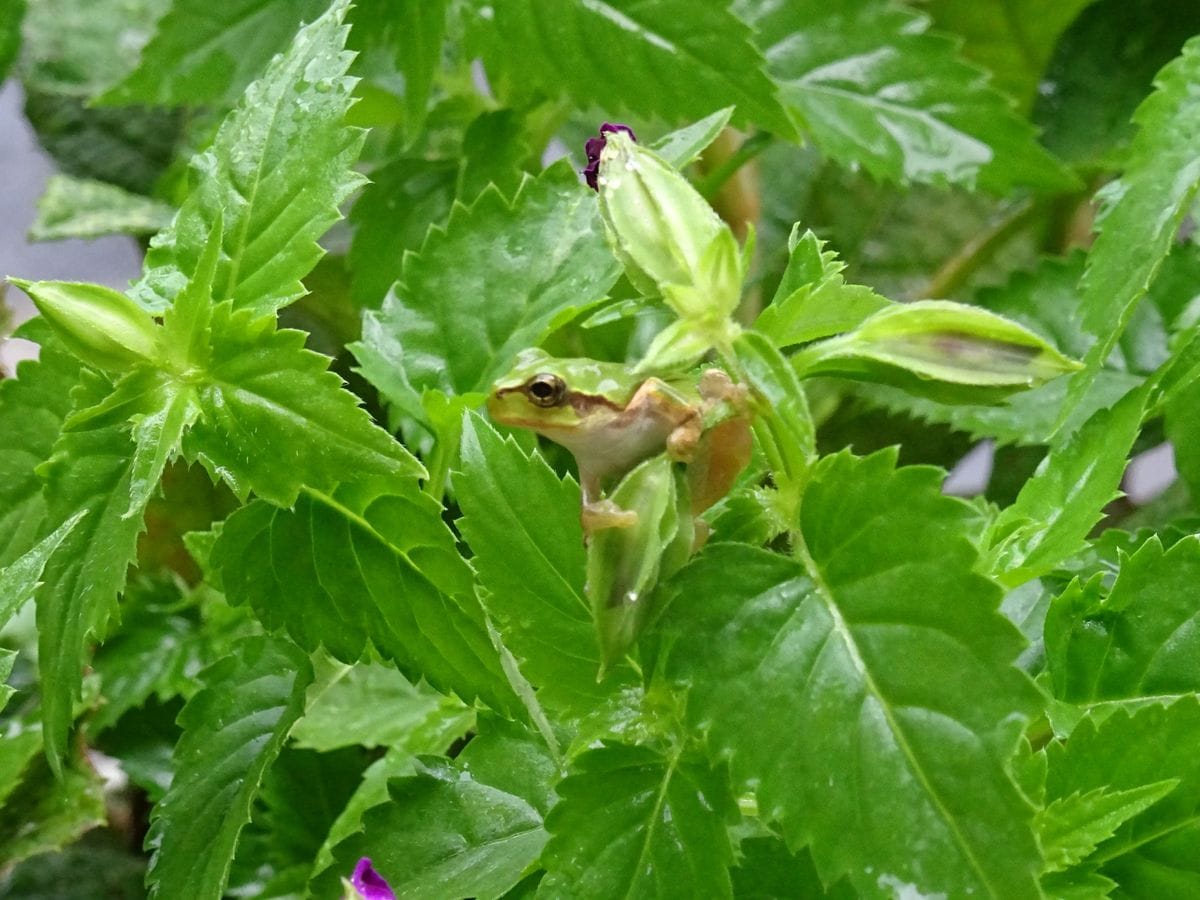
point(611, 420)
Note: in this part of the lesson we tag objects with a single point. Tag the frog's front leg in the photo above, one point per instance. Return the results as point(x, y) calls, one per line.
point(599, 512)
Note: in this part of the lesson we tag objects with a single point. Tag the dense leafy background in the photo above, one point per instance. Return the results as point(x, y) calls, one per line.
point(279, 598)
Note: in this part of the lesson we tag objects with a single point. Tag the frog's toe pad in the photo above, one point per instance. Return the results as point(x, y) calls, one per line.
point(606, 514)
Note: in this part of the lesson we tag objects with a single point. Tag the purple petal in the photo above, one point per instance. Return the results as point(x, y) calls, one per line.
point(591, 172)
point(369, 883)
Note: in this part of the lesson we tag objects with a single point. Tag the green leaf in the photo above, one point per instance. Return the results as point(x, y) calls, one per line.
point(375, 706)
point(392, 217)
point(276, 171)
point(873, 88)
point(522, 523)
point(20, 578)
point(1141, 213)
point(1012, 40)
point(49, 810)
point(163, 409)
point(683, 147)
point(7, 658)
point(635, 823)
point(263, 394)
point(1070, 828)
point(1086, 103)
point(86, 208)
point(767, 871)
point(156, 652)
point(887, 673)
point(90, 471)
point(445, 835)
point(11, 14)
point(233, 731)
point(1156, 850)
point(420, 26)
point(302, 795)
point(1141, 640)
point(813, 300)
point(365, 563)
point(205, 52)
point(671, 59)
point(32, 408)
point(510, 757)
point(1058, 506)
point(488, 286)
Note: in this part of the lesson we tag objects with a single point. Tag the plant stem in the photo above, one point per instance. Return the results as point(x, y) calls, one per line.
point(955, 271)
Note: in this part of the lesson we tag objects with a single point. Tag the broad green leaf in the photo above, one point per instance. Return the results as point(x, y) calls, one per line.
point(508, 756)
point(443, 835)
point(129, 148)
point(48, 811)
point(1157, 850)
point(766, 871)
point(522, 523)
point(90, 470)
point(392, 217)
point(143, 742)
point(365, 564)
point(633, 822)
point(19, 580)
point(495, 150)
point(670, 60)
point(207, 52)
point(1141, 213)
point(1012, 40)
point(276, 171)
point(887, 673)
point(233, 731)
point(11, 13)
point(400, 47)
point(100, 867)
point(264, 398)
point(86, 208)
point(1058, 506)
point(158, 649)
point(489, 285)
point(80, 46)
point(372, 792)
point(32, 408)
point(302, 795)
point(1139, 641)
point(373, 705)
point(1085, 103)
point(813, 300)
point(1070, 828)
point(871, 86)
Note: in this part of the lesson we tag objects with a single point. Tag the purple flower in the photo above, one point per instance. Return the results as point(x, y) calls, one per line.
point(369, 883)
point(592, 148)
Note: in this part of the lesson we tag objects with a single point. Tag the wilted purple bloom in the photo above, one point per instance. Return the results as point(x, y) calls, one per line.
point(370, 883)
point(592, 148)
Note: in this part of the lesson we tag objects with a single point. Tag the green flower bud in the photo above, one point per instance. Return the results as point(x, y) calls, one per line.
point(940, 341)
point(665, 234)
point(102, 327)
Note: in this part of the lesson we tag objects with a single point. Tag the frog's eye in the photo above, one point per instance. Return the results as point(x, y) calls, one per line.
point(546, 389)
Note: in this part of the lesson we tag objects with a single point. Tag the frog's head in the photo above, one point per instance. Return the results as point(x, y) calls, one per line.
point(551, 395)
